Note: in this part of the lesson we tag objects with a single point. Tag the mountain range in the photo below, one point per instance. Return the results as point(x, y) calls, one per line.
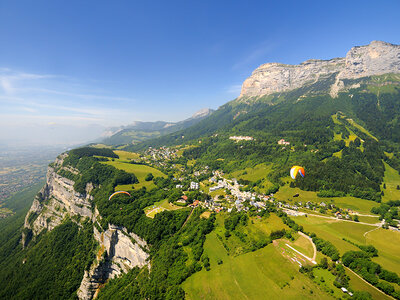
point(140, 131)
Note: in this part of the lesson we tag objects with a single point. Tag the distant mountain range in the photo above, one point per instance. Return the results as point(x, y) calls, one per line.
point(141, 131)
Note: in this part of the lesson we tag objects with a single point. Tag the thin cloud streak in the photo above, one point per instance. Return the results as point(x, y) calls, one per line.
point(255, 55)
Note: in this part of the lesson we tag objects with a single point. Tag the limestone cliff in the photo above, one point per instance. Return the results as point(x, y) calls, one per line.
point(56, 200)
point(119, 251)
point(377, 58)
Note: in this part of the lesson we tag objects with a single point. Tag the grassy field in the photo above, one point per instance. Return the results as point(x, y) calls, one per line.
point(160, 206)
point(370, 220)
point(125, 155)
point(335, 230)
point(325, 279)
point(139, 170)
point(392, 180)
point(263, 274)
point(386, 241)
point(286, 193)
point(303, 245)
point(388, 244)
point(259, 172)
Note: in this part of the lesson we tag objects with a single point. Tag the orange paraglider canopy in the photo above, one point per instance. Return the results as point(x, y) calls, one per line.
point(119, 192)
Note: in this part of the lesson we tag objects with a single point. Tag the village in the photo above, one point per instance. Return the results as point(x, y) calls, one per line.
point(222, 192)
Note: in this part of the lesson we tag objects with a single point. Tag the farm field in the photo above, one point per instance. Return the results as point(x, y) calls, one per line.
point(335, 230)
point(391, 180)
point(370, 220)
point(388, 244)
point(286, 193)
point(139, 170)
point(386, 241)
point(262, 274)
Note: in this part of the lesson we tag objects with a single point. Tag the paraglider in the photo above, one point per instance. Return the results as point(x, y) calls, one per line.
point(119, 192)
point(296, 170)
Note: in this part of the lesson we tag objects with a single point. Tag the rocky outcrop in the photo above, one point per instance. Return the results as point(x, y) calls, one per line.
point(119, 252)
point(55, 200)
point(377, 58)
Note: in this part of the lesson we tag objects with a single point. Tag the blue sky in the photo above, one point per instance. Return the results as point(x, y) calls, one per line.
point(70, 68)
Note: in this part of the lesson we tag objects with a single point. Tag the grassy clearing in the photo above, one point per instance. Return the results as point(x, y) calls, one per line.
point(125, 155)
point(286, 193)
point(389, 155)
point(139, 170)
point(303, 245)
point(259, 172)
point(325, 279)
point(335, 230)
point(388, 244)
point(191, 162)
point(160, 206)
point(205, 215)
point(362, 129)
point(256, 230)
point(391, 180)
point(263, 274)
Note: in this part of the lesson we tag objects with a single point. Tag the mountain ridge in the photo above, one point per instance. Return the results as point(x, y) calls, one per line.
point(377, 58)
point(140, 131)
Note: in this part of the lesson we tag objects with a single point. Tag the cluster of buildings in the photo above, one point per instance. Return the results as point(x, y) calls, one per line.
point(162, 153)
point(241, 138)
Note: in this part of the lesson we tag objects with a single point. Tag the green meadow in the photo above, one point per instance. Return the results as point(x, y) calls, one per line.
point(139, 170)
point(259, 172)
point(391, 180)
point(335, 230)
point(286, 193)
point(262, 274)
point(160, 206)
point(388, 244)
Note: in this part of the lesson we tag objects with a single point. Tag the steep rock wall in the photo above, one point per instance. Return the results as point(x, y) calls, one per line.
point(377, 58)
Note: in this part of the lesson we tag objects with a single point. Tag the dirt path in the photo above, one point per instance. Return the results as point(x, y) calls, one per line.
point(311, 241)
point(368, 283)
point(187, 219)
point(343, 220)
point(365, 233)
point(298, 252)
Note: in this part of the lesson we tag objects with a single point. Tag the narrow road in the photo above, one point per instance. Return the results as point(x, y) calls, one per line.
point(365, 233)
point(368, 283)
point(333, 218)
point(312, 243)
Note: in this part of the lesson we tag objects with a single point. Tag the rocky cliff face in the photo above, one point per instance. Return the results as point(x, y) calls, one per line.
point(119, 251)
point(376, 58)
point(55, 200)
